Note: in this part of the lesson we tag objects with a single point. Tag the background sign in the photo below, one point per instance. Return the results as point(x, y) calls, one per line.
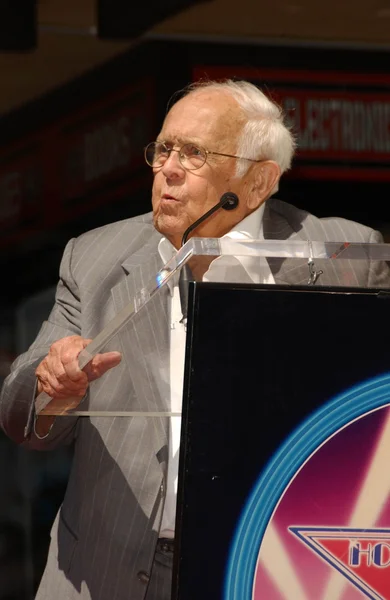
point(341, 120)
point(91, 157)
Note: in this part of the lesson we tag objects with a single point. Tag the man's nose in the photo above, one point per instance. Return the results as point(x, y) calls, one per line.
point(172, 168)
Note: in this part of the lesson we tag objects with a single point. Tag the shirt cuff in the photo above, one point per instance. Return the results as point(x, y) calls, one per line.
point(32, 419)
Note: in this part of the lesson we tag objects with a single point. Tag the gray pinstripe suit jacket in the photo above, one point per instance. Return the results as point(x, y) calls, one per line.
point(104, 536)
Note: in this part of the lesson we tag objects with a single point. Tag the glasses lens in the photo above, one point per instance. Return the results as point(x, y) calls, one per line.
point(156, 154)
point(192, 157)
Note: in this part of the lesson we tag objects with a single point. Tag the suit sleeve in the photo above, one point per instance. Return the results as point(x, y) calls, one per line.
point(18, 391)
point(379, 271)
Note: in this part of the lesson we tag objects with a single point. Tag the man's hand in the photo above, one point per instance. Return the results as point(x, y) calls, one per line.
point(59, 374)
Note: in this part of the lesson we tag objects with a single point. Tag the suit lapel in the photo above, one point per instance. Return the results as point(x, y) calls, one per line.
point(294, 271)
point(287, 271)
point(145, 339)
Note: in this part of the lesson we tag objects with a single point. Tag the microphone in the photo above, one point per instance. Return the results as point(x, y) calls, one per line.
point(228, 201)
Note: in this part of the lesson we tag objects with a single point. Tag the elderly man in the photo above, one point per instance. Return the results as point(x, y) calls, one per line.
point(111, 538)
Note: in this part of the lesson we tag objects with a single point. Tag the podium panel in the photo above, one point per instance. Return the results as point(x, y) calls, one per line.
point(284, 484)
point(138, 322)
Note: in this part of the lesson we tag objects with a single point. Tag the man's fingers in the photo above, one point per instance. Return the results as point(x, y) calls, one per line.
point(72, 381)
point(102, 363)
point(52, 376)
point(69, 360)
point(57, 391)
point(59, 373)
point(64, 382)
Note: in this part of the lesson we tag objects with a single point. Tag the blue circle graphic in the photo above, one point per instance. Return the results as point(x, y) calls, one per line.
point(278, 472)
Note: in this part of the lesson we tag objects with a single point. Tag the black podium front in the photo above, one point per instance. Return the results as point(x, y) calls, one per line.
point(282, 492)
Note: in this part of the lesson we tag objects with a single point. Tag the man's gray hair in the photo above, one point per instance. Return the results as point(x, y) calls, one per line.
point(265, 134)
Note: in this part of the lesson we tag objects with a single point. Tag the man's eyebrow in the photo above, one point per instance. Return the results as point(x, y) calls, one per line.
point(180, 141)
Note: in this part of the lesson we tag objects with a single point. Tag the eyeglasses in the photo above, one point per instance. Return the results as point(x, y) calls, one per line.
point(191, 157)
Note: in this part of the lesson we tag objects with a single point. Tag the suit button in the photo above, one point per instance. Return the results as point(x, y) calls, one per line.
point(143, 576)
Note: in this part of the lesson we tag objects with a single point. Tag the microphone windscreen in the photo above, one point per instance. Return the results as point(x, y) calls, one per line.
point(229, 200)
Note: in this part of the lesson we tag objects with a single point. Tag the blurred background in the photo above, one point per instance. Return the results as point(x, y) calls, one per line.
point(84, 87)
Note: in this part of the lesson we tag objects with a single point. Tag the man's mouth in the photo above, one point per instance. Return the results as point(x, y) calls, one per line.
point(169, 198)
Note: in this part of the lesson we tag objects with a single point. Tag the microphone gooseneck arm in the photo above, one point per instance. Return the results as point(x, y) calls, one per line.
point(228, 201)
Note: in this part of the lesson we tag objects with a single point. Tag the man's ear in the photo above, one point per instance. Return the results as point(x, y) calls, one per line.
point(266, 177)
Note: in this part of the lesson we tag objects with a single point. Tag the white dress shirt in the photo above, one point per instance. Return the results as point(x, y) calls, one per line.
point(250, 227)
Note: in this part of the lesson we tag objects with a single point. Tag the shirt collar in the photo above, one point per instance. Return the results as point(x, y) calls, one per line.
point(250, 227)
point(166, 250)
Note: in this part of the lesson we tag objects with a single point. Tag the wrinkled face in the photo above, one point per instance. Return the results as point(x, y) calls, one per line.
point(212, 120)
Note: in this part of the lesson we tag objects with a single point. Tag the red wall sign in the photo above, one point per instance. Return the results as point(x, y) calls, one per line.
point(341, 120)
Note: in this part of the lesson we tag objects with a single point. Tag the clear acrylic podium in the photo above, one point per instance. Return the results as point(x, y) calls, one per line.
point(284, 483)
point(234, 261)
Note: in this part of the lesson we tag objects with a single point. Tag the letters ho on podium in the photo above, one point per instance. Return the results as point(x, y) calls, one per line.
point(284, 481)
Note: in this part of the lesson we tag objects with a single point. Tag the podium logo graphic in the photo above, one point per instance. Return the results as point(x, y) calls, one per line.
point(361, 555)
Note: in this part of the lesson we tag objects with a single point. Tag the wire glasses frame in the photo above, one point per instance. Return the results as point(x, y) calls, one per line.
point(191, 157)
